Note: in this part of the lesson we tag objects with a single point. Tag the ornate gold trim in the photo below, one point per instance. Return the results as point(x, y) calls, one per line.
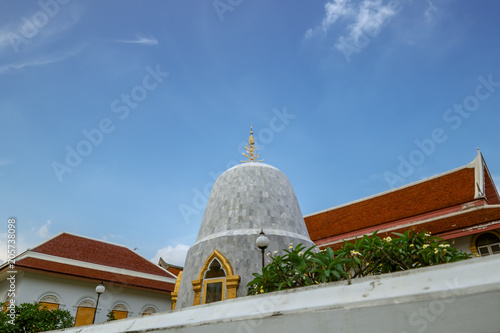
point(473, 248)
point(232, 281)
point(175, 293)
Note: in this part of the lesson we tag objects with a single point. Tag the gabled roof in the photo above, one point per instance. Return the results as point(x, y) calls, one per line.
point(174, 269)
point(79, 256)
point(438, 195)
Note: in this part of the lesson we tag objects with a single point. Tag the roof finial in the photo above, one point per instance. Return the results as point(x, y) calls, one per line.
point(251, 149)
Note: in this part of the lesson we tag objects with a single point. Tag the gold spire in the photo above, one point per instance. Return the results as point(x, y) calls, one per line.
point(251, 149)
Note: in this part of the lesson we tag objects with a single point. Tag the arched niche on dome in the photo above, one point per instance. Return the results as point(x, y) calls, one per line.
point(216, 280)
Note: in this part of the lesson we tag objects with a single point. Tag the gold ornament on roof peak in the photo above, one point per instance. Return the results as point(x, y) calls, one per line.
point(251, 149)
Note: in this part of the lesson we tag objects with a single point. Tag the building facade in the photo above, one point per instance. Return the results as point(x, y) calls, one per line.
point(63, 273)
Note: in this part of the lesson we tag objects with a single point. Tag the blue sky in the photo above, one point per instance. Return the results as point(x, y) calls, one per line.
point(116, 116)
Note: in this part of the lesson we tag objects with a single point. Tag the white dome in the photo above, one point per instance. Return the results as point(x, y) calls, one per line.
point(244, 199)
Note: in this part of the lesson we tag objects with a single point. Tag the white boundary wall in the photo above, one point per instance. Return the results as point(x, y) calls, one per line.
point(457, 297)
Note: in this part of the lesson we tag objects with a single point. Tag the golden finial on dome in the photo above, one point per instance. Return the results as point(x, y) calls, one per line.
point(251, 149)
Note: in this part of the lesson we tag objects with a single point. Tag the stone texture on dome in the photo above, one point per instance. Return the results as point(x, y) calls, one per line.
point(252, 196)
point(245, 199)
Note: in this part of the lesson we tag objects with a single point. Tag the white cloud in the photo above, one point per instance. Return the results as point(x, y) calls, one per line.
point(22, 35)
point(333, 10)
point(140, 40)
point(41, 61)
point(370, 17)
point(43, 232)
point(21, 244)
point(172, 255)
point(362, 20)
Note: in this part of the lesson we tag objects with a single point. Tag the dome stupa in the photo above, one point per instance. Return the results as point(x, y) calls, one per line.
point(244, 200)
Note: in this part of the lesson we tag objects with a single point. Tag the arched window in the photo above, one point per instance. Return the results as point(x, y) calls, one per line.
point(120, 311)
point(49, 301)
point(487, 243)
point(149, 311)
point(216, 281)
point(85, 313)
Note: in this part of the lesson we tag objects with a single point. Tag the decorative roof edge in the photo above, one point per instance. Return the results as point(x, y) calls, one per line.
point(32, 249)
point(473, 164)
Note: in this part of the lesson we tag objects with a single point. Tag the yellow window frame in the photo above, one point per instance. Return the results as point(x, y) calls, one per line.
point(206, 282)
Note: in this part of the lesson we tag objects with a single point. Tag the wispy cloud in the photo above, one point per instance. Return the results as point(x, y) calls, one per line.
point(362, 21)
point(430, 12)
point(140, 40)
point(333, 10)
point(369, 19)
point(23, 34)
point(41, 61)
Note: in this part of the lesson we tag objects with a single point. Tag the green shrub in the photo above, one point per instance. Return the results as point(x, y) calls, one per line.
point(31, 318)
point(369, 255)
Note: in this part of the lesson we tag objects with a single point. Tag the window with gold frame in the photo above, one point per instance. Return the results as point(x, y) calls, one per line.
point(214, 290)
point(214, 283)
point(216, 280)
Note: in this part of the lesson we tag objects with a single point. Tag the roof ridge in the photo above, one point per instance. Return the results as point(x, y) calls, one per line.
point(468, 165)
point(149, 262)
point(95, 266)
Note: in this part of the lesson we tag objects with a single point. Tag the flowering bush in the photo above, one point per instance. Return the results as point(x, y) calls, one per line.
point(370, 255)
point(298, 267)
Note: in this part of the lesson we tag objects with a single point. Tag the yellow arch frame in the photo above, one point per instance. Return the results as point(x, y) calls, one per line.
point(473, 248)
point(232, 280)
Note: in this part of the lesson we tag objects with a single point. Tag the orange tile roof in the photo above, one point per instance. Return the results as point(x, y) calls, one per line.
point(470, 219)
point(60, 268)
point(447, 190)
point(85, 249)
point(94, 259)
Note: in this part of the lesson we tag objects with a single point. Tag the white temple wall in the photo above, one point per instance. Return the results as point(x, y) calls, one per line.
point(456, 297)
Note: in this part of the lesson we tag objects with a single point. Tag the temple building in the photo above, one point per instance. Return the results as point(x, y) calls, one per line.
point(63, 272)
point(252, 210)
point(461, 205)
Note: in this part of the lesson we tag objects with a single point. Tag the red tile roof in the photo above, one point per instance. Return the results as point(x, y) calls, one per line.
point(94, 259)
point(60, 268)
point(98, 252)
point(457, 202)
point(440, 192)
